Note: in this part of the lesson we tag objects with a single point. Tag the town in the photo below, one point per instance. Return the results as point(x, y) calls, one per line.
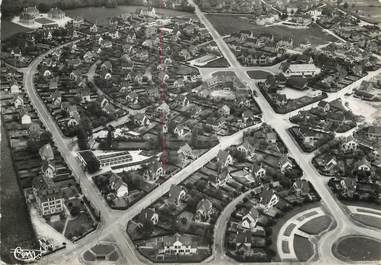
point(188, 131)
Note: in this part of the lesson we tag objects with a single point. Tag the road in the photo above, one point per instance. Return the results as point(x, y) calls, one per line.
point(114, 222)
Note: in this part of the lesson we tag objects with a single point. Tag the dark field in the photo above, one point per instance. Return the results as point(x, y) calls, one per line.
point(16, 227)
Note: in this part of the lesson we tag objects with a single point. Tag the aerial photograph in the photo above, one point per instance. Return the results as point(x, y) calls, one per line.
point(190, 132)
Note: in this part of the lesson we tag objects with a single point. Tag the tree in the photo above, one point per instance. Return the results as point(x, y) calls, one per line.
point(74, 211)
point(83, 141)
point(45, 138)
point(93, 166)
point(43, 8)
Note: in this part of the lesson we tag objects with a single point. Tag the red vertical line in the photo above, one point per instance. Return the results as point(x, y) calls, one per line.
point(163, 100)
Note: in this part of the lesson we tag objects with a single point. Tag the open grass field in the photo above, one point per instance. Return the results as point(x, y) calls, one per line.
point(316, 225)
point(258, 74)
point(237, 23)
point(8, 29)
point(303, 248)
point(16, 227)
point(348, 248)
point(368, 220)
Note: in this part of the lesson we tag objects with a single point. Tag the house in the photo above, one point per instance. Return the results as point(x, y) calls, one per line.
point(46, 152)
point(53, 84)
point(363, 165)
point(163, 109)
point(75, 75)
point(258, 170)
point(301, 187)
point(18, 101)
point(224, 110)
point(224, 159)
point(349, 186)
point(176, 194)
point(73, 120)
point(179, 245)
point(222, 177)
point(141, 119)
point(149, 216)
point(132, 98)
point(154, 171)
point(349, 144)
point(268, 199)
point(186, 151)
point(93, 28)
point(89, 56)
point(204, 210)
point(35, 130)
point(280, 99)
point(25, 118)
point(106, 66)
point(330, 162)
point(49, 197)
point(107, 44)
point(84, 94)
point(117, 185)
point(15, 89)
point(308, 136)
point(48, 169)
point(285, 164)
point(324, 106)
point(247, 149)
point(56, 98)
point(249, 221)
point(271, 137)
point(56, 13)
point(181, 130)
point(303, 70)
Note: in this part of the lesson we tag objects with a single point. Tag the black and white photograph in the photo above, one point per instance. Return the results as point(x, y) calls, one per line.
point(220, 132)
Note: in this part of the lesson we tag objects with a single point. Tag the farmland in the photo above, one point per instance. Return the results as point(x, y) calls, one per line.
point(238, 23)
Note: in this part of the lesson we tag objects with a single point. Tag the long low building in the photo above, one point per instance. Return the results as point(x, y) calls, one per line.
point(301, 70)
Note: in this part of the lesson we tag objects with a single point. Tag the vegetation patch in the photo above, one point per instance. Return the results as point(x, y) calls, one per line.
point(303, 248)
point(348, 248)
point(316, 225)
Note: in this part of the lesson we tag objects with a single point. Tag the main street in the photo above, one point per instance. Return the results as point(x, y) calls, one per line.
point(114, 222)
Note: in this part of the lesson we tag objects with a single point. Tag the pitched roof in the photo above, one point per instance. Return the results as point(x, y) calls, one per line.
point(46, 152)
point(266, 195)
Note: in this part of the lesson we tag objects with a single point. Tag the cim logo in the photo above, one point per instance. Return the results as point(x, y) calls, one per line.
point(31, 255)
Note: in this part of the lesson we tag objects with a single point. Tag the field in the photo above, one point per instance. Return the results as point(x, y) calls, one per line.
point(8, 29)
point(258, 74)
point(303, 248)
point(43, 20)
point(101, 14)
point(369, 10)
point(349, 248)
point(317, 225)
point(237, 23)
point(368, 220)
point(16, 227)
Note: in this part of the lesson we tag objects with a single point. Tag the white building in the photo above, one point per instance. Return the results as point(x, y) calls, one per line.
point(302, 70)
